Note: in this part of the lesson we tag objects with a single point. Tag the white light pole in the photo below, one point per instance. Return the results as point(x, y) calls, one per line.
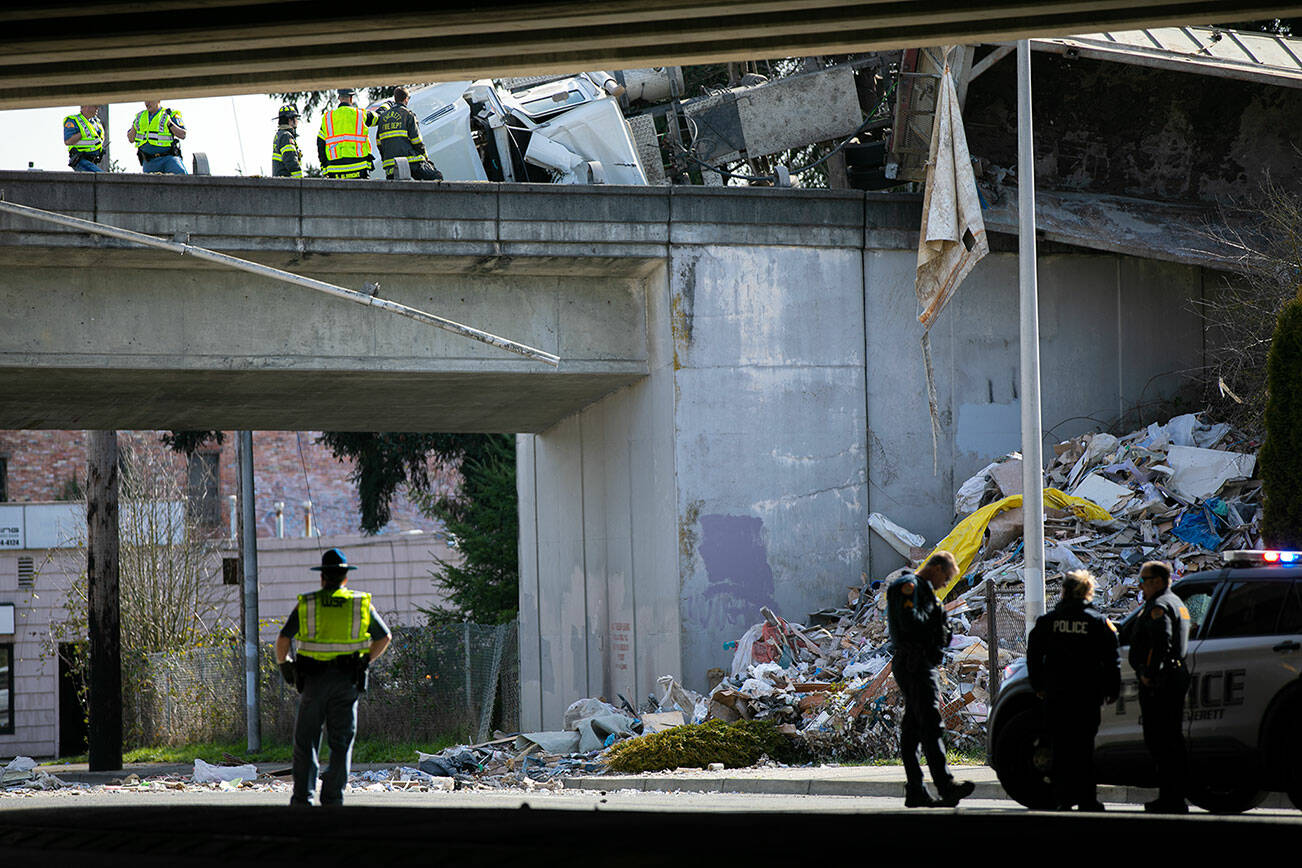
point(1032, 461)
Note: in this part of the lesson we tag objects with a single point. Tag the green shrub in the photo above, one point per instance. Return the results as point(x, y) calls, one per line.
point(1281, 453)
point(696, 745)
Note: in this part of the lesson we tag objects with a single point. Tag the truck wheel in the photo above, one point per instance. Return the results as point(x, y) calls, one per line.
point(1022, 762)
point(1226, 796)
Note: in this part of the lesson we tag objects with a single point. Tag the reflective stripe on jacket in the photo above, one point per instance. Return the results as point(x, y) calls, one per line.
point(286, 158)
point(333, 623)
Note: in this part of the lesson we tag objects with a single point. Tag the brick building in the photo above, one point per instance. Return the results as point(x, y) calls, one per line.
point(42, 521)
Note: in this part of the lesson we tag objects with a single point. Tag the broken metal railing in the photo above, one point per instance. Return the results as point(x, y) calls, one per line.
point(364, 298)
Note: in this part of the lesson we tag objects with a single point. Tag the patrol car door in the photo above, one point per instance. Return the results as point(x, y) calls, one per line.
point(1249, 650)
point(1120, 728)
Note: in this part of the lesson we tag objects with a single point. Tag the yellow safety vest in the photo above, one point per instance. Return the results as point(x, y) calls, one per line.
point(155, 131)
point(92, 134)
point(333, 623)
point(346, 143)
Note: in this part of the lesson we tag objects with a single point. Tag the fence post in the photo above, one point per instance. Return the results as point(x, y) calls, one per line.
point(992, 639)
point(490, 685)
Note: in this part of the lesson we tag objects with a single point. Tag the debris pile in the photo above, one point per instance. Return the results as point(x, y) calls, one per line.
point(1180, 492)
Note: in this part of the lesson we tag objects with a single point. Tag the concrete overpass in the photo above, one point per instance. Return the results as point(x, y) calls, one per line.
point(75, 51)
point(741, 382)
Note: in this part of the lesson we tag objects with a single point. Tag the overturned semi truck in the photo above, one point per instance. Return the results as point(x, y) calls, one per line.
point(567, 130)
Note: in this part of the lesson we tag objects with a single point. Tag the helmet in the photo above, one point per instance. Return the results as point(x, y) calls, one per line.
point(333, 560)
point(286, 112)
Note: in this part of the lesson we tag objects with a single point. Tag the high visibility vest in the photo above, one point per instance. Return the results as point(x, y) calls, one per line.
point(333, 623)
point(155, 131)
point(92, 134)
point(346, 143)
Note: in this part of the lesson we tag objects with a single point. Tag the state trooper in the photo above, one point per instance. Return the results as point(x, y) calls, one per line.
point(286, 158)
point(920, 632)
point(157, 133)
point(343, 144)
point(399, 139)
point(339, 635)
point(84, 135)
point(1157, 651)
point(1074, 662)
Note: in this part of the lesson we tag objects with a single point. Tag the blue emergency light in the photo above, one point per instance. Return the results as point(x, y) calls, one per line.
point(1259, 557)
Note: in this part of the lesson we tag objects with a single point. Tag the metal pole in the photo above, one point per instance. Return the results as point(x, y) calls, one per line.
point(249, 552)
point(104, 740)
point(1032, 461)
point(364, 298)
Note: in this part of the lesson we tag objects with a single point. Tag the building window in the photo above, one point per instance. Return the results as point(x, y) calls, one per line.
point(203, 489)
point(6, 689)
point(4, 479)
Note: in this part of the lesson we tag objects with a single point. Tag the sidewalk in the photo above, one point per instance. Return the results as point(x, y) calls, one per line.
point(838, 781)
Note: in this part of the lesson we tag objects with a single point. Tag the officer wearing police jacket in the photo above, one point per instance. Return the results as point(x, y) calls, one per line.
point(1074, 662)
point(1157, 649)
point(920, 633)
point(339, 634)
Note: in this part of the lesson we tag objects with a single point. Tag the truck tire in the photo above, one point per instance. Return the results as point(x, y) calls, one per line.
point(1022, 763)
point(1226, 796)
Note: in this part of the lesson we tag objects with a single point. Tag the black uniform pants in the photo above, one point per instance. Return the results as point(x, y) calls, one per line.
point(1161, 710)
point(922, 726)
point(422, 170)
point(329, 699)
point(1072, 723)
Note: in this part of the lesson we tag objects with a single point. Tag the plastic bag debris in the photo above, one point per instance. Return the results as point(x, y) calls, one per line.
point(206, 773)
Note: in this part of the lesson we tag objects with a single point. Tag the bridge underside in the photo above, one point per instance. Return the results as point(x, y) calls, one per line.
point(62, 53)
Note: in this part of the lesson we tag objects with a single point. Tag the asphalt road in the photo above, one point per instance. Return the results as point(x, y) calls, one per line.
point(620, 828)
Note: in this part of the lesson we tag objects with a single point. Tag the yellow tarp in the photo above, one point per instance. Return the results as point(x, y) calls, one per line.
point(964, 541)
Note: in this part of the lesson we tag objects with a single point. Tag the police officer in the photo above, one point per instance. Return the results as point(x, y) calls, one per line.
point(399, 139)
point(919, 634)
point(286, 158)
point(84, 135)
point(157, 133)
point(1157, 650)
point(339, 634)
point(1074, 661)
point(343, 144)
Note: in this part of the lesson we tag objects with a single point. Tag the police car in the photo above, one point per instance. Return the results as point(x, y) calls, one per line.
point(1243, 718)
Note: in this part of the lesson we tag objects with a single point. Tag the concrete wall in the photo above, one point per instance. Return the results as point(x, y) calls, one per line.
point(798, 398)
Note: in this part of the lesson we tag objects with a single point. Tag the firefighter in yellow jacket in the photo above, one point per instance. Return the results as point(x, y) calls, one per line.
point(343, 144)
point(339, 635)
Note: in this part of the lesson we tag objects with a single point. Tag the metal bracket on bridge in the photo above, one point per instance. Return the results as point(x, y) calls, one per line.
point(364, 298)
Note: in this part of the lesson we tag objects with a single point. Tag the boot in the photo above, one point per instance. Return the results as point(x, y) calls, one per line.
point(916, 796)
point(954, 792)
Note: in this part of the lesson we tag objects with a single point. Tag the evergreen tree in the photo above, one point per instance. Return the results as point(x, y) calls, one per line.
point(1281, 453)
point(483, 518)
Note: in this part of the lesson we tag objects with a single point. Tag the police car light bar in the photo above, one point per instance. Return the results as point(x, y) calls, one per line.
point(1257, 557)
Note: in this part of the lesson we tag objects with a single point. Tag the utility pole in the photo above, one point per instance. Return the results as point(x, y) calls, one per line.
point(1032, 461)
point(104, 739)
point(249, 558)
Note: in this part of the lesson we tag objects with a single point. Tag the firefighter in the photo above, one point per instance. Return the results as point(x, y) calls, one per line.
point(84, 135)
point(399, 139)
point(286, 158)
point(1157, 656)
point(342, 144)
point(339, 635)
point(157, 133)
point(920, 633)
point(1074, 662)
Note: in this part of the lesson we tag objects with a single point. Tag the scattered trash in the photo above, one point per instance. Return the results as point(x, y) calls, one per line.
point(207, 773)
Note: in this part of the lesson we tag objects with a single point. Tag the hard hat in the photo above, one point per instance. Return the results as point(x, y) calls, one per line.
point(345, 91)
point(333, 560)
point(286, 112)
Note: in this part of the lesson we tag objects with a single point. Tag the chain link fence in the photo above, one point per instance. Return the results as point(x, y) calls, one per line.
point(439, 681)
